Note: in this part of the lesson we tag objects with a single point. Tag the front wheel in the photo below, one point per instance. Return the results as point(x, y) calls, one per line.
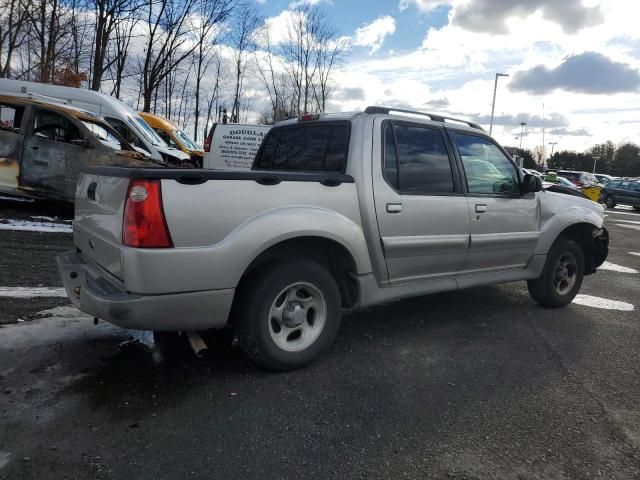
point(288, 315)
point(561, 276)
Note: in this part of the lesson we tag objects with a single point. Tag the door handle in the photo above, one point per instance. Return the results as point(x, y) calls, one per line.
point(33, 147)
point(481, 208)
point(394, 207)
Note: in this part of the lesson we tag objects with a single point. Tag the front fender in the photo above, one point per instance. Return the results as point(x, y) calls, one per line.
point(559, 212)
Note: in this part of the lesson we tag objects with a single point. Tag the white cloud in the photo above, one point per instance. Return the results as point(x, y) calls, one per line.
point(374, 34)
point(422, 5)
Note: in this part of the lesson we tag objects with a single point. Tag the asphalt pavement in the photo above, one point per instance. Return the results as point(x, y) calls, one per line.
point(473, 384)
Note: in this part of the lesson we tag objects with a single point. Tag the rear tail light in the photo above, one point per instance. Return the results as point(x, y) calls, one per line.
point(207, 141)
point(307, 117)
point(144, 223)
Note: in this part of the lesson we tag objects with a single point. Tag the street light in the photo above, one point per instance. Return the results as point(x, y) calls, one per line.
point(493, 105)
point(595, 160)
point(522, 124)
point(553, 144)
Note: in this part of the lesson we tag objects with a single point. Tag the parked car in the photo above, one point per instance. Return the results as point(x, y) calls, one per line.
point(580, 179)
point(554, 183)
point(43, 147)
point(174, 137)
point(232, 146)
point(122, 118)
point(626, 192)
point(339, 210)
point(602, 178)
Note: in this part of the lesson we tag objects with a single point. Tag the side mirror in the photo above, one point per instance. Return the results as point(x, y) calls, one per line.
point(531, 183)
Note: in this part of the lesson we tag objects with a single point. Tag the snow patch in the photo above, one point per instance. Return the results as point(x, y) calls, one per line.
point(29, 226)
point(29, 292)
point(603, 303)
point(617, 268)
point(634, 253)
point(65, 311)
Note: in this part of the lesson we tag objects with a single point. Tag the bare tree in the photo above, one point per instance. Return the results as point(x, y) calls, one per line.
point(119, 53)
point(167, 33)
point(242, 37)
point(13, 30)
point(210, 15)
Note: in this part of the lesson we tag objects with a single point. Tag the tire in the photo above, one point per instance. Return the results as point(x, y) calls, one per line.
point(296, 296)
point(610, 202)
point(561, 276)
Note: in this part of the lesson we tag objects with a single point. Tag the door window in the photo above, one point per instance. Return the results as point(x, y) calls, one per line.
point(53, 126)
point(10, 118)
point(488, 170)
point(416, 160)
point(166, 137)
point(125, 132)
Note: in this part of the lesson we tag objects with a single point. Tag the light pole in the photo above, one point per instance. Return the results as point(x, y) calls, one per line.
point(493, 105)
point(522, 124)
point(595, 160)
point(553, 144)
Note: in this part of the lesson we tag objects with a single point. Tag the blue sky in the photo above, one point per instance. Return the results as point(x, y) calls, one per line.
point(575, 57)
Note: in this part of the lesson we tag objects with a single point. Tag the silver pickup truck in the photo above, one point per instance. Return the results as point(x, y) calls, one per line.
point(338, 211)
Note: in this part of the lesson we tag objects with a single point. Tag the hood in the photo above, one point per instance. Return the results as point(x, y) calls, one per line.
point(174, 152)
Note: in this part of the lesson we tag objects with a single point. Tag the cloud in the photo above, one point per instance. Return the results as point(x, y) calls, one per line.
point(374, 34)
point(588, 72)
point(302, 3)
point(492, 15)
point(422, 5)
point(554, 120)
point(438, 103)
point(346, 93)
point(580, 132)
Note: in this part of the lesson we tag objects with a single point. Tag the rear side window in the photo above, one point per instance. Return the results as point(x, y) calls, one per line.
point(317, 148)
point(10, 118)
point(416, 160)
point(126, 133)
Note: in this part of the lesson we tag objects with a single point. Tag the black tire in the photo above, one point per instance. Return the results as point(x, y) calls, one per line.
point(547, 289)
point(610, 202)
point(255, 325)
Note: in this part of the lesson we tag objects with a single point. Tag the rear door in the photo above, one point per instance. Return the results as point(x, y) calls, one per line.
point(504, 225)
point(421, 210)
point(53, 154)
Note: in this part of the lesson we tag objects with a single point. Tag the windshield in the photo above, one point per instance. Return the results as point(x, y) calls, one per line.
point(107, 136)
point(186, 140)
point(146, 131)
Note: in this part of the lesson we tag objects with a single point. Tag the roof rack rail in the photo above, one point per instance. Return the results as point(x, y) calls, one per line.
point(38, 96)
point(432, 116)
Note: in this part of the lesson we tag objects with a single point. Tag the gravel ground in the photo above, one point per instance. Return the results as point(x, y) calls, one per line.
point(474, 384)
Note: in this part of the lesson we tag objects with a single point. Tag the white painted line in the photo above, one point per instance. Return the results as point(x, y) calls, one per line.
point(603, 303)
point(29, 226)
point(632, 227)
point(634, 253)
point(622, 213)
point(628, 221)
point(17, 199)
point(617, 268)
point(31, 292)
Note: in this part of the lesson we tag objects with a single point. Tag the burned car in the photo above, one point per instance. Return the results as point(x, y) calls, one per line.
point(44, 146)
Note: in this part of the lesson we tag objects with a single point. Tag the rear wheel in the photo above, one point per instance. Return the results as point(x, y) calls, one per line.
point(610, 202)
point(561, 276)
point(288, 315)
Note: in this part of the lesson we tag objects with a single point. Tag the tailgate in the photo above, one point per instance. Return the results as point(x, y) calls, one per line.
point(97, 227)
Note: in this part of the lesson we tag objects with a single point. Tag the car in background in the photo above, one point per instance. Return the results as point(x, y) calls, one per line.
point(115, 112)
point(602, 178)
point(43, 148)
point(581, 179)
point(174, 137)
point(530, 171)
point(626, 192)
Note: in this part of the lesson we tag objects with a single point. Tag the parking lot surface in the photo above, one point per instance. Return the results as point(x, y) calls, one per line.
point(473, 384)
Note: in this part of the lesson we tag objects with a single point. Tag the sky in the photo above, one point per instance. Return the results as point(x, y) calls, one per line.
point(573, 65)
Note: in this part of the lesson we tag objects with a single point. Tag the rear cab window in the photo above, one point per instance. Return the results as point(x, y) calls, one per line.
point(313, 147)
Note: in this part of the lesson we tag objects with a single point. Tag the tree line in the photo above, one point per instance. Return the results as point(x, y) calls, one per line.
point(188, 60)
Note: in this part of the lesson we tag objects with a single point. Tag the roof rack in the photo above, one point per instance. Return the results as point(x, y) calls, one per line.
point(39, 96)
point(432, 116)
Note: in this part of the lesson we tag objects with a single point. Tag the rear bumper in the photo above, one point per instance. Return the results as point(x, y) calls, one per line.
point(91, 291)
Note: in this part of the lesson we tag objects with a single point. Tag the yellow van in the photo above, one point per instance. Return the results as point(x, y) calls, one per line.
point(174, 137)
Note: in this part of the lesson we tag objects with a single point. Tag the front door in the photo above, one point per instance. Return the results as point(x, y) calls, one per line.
point(504, 224)
point(53, 150)
point(421, 210)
